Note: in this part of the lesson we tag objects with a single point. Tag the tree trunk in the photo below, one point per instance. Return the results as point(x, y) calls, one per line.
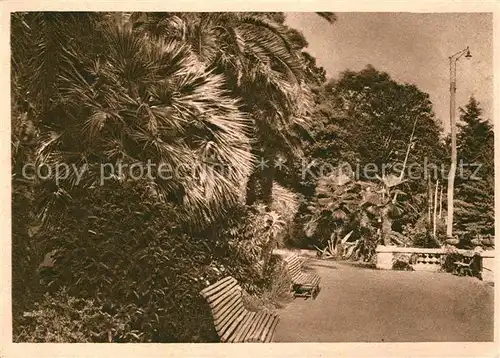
point(429, 201)
point(267, 253)
point(434, 223)
point(386, 226)
point(251, 194)
point(260, 182)
point(441, 203)
point(266, 180)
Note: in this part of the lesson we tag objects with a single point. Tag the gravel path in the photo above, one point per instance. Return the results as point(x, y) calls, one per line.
point(359, 304)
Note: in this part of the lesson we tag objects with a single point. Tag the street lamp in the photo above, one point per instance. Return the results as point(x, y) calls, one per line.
point(453, 168)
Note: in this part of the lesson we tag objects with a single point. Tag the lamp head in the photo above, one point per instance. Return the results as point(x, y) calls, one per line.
point(468, 55)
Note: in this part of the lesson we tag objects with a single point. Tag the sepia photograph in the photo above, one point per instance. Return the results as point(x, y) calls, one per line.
point(252, 177)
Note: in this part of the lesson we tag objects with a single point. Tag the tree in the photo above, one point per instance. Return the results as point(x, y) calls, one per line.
point(475, 182)
point(196, 93)
point(367, 119)
point(262, 61)
point(131, 98)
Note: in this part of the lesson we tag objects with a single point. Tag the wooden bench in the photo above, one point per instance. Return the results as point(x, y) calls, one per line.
point(303, 284)
point(233, 322)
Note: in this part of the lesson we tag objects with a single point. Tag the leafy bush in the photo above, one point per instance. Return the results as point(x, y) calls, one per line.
point(362, 249)
point(114, 248)
point(421, 235)
point(61, 318)
point(448, 262)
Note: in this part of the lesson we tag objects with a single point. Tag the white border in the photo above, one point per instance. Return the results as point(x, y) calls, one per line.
point(8, 349)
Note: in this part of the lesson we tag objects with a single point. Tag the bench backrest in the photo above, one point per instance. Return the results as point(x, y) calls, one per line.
point(294, 264)
point(224, 299)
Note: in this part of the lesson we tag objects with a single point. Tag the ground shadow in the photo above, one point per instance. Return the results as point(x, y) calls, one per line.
point(310, 266)
point(365, 265)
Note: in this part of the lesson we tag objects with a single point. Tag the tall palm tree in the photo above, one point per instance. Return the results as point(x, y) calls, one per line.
point(256, 55)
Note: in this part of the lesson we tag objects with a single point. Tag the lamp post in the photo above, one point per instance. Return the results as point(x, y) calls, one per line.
point(453, 168)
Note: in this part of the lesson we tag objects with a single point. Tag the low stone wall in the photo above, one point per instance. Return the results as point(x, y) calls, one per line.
point(430, 259)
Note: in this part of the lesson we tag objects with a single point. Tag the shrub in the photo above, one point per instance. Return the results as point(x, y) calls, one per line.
point(61, 318)
point(402, 262)
point(275, 285)
point(133, 258)
point(130, 255)
point(421, 235)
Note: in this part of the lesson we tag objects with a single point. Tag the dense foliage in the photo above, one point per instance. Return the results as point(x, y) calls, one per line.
point(93, 93)
point(376, 141)
point(168, 150)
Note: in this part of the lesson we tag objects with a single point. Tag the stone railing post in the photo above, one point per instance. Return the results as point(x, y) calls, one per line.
point(384, 257)
point(488, 266)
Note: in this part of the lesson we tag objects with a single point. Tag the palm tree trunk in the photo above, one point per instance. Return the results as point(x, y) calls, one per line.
point(267, 253)
point(260, 182)
point(266, 180)
point(251, 194)
point(386, 226)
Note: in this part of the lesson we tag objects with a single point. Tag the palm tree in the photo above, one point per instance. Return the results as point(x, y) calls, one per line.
point(256, 55)
point(117, 96)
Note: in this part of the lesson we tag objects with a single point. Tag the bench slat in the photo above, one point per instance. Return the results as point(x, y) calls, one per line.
point(251, 326)
point(221, 317)
point(215, 297)
point(254, 325)
point(267, 328)
point(239, 333)
point(272, 330)
point(232, 321)
point(207, 291)
point(232, 314)
point(232, 325)
point(223, 298)
point(252, 335)
point(216, 292)
point(220, 306)
point(260, 328)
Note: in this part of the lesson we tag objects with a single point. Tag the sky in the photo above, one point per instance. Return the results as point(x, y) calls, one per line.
point(411, 48)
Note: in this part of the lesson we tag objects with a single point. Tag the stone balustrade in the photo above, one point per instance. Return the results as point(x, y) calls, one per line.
point(430, 259)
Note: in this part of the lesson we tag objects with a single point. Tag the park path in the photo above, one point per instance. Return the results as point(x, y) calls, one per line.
point(358, 304)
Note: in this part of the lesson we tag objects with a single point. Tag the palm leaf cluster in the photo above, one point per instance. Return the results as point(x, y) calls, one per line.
point(188, 91)
point(344, 204)
point(262, 65)
point(118, 94)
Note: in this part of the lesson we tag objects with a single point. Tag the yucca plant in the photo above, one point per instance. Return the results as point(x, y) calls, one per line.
point(329, 251)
